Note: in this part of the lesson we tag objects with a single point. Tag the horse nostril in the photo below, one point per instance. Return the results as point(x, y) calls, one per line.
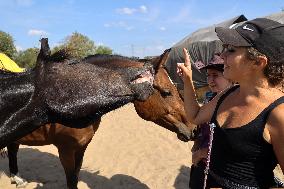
point(182, 137)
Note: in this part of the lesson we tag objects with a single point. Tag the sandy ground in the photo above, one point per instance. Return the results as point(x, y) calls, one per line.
point(126, 153)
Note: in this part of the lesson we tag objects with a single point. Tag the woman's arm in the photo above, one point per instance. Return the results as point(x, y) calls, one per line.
point(275, 126)
point(195, 113)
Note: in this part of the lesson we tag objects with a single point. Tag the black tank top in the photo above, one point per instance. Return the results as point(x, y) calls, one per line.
point(240, 156)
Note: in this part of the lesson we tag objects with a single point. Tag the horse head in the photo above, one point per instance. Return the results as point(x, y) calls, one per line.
point(91, 86)
point(165, 106)
point(69, 92)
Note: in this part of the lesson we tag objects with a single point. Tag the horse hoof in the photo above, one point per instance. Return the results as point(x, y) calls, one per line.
point(20, 182)
point(22, 185)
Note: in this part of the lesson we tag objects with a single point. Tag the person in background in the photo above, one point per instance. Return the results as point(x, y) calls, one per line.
point(217, 83)
point(246, 120)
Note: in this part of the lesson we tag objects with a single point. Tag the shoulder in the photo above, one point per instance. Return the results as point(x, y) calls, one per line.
point(275, 126)
point(275, 121)
point(276, 115)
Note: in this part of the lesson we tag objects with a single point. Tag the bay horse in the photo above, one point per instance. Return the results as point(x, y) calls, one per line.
point(70, 92)
point(164, 107)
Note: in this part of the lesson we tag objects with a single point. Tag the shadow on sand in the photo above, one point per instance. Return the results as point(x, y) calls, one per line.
point(45, 168)
point(182, 179)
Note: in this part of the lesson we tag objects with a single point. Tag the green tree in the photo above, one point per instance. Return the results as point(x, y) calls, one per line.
point(79, 45)
point(27, 58)
point(7, 44)
point(103, 50)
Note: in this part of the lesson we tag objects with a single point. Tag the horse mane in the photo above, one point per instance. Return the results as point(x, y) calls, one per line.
point(63, 55)
point(60, 56)
point(112, 60)
point(107, 57)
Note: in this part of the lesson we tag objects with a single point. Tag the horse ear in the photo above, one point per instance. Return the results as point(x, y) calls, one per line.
point(43, 54)
point(44, 49)
point(159, 61)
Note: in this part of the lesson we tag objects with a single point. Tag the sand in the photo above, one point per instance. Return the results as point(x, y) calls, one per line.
point(125, 153)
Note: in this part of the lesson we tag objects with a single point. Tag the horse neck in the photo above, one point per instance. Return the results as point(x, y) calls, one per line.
point(15, 91)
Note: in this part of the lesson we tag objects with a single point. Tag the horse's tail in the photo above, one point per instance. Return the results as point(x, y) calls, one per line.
point(3, 153)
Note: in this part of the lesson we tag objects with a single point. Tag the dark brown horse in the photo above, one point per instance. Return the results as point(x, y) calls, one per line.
point(74, 93)
point(164, 107)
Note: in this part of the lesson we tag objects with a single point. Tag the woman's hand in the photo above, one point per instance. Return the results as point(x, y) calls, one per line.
point(184, 69)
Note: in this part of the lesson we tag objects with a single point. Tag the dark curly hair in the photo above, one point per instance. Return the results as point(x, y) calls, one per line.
point(273, 71)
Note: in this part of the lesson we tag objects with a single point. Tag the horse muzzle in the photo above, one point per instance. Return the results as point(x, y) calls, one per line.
point(184, 133)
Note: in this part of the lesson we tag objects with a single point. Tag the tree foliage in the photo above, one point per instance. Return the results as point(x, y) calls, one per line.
point(7, 44)
point(27, 58)
point(79, 45)
point(103, 50)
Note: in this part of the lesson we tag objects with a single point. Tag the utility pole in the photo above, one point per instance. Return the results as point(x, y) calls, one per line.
point(132, 50)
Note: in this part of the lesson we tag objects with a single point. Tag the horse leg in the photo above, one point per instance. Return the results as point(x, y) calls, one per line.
point(67, 159)
point(79, 155)
point(13, 166)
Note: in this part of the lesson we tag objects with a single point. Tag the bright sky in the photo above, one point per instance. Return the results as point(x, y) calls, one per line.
point(129, 27)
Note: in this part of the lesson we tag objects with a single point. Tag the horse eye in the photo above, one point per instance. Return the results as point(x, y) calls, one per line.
point(166, 93)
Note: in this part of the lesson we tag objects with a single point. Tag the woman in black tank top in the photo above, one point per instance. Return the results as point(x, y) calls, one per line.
point(247, 124)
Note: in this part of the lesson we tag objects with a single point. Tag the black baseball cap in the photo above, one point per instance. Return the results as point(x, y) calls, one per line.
point(219, 67)
point(265, 35)
point(216, 63)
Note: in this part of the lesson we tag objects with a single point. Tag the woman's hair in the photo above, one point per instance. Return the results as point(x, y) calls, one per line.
point(273, 71)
